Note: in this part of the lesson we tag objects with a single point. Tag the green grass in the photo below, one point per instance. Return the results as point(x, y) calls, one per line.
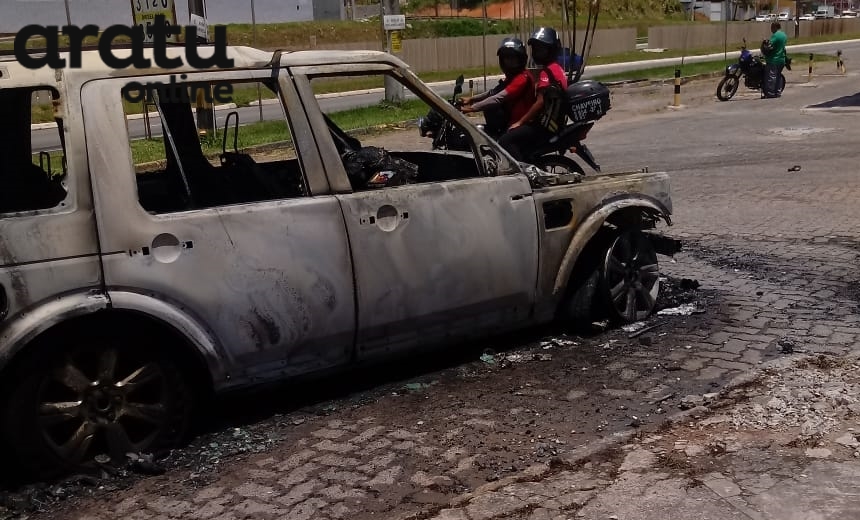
point(692, 69)
point(269, 132)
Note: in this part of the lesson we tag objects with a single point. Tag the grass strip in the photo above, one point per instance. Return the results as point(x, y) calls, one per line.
point(274, 132)
point(692, 69)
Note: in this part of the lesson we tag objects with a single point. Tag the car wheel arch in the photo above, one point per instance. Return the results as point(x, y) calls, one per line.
point(196, 350)
point(617, 212)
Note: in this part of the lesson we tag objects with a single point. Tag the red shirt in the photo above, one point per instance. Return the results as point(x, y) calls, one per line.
point(557, 72)
point(520, 96)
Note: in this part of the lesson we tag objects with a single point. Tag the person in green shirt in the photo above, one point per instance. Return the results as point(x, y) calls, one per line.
point(774, 61)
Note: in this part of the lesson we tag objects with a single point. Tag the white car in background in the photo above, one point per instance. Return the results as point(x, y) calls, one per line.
point(848, 14)
point(784, 16)
point(808, 17)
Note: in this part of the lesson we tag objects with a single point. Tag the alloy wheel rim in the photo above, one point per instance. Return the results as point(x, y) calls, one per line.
point(633, 276)
point(106, 405)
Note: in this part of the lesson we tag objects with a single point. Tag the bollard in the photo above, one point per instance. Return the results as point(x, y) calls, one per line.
point(810, 66)
point(205, 119)
point(677, 100)
point(471, 87)
point(840, 65)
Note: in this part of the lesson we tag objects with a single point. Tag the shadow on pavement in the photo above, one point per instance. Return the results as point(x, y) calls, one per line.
point(845, 101)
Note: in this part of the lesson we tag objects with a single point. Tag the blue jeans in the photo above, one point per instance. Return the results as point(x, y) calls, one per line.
point(772, 73)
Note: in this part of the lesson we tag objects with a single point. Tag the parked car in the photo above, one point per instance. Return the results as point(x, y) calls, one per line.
point(138, 276)
point(848, 14)
point(807, 17)
point(784, 16)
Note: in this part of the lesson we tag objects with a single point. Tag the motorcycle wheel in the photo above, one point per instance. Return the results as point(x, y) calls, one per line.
point(558, 164)
point(781, 83)
point(727, 88)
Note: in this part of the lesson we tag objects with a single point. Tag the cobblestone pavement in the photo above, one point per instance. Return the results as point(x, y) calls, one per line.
point(775, 253)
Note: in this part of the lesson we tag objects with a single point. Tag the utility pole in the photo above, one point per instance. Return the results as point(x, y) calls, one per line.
point(205, 109)
point(393, 88)
point(68, 14)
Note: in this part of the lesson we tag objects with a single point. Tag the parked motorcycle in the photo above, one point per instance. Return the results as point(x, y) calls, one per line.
point(588, 101)
point(751, 69)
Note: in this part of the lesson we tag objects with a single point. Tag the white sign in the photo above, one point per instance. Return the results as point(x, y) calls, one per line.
point(145, 11)
point(202, 26)
point(394, 22)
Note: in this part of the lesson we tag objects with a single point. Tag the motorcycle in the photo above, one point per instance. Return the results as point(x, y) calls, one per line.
point(588, 102)
point(752, 70)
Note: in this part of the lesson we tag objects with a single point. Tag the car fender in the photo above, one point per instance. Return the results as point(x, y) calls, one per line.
point(198, 336)
point(592, 224)
point(23, 327)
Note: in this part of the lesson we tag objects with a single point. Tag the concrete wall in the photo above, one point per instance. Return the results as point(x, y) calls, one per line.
point(15, 14)
point(710, 35)
point(329, 10)
point(432, 54)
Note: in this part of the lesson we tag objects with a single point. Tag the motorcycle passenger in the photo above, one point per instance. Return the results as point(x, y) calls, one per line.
point(774, 61)
point(545, 117)
point(514, 95)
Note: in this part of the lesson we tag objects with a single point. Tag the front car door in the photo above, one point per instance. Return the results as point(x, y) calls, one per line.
point(454, 255)
point(246, 242)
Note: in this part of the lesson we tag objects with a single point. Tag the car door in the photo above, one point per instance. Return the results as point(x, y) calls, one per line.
point(267, 273)
point(450, 258)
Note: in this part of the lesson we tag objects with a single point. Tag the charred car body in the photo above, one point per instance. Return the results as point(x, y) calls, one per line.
point(137, 276)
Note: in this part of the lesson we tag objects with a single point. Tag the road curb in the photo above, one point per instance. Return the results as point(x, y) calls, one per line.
point(835, 110)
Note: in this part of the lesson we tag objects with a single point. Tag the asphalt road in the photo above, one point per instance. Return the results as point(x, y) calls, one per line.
point(47, 139)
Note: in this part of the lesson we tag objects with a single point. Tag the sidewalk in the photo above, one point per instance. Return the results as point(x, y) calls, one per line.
point(781, 445)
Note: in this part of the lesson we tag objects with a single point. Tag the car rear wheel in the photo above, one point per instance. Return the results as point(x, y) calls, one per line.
point(105, 395)
point(558, 164)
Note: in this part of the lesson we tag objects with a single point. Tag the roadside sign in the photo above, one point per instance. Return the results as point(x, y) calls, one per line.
point(145, 11)
point(394, 22)
point(202, 26)
point(396, 42)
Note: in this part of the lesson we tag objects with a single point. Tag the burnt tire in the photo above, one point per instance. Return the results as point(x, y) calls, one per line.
point(101, 394)
point(558, 164)
point(727, 87)
point(630, 277)
point(582, 304)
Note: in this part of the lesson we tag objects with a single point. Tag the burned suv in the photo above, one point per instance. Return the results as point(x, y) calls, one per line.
point(144, 266)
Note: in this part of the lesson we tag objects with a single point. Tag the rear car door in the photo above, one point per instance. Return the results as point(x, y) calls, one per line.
point(247, 242)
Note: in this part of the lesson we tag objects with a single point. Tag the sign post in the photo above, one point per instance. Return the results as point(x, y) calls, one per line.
point(392, 24)
point(145, 11)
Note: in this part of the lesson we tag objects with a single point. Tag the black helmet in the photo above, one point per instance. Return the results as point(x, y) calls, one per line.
point(513, 46)
point(546, 36)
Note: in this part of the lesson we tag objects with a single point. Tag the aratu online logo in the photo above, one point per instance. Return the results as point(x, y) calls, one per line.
point(133, 92)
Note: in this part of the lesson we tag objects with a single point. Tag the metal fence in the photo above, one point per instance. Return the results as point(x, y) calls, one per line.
point(434, 54)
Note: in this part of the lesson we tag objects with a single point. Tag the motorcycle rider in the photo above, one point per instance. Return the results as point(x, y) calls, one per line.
point(775, 61)
point(545, 117)
point(512, 98)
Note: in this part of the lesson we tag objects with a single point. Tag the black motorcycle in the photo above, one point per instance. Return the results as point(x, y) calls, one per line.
point(752, 70)
point(588, 101)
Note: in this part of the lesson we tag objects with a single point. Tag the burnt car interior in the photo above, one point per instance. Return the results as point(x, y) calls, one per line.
point(427, 165)
point(24, 185)
point(187, 179)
